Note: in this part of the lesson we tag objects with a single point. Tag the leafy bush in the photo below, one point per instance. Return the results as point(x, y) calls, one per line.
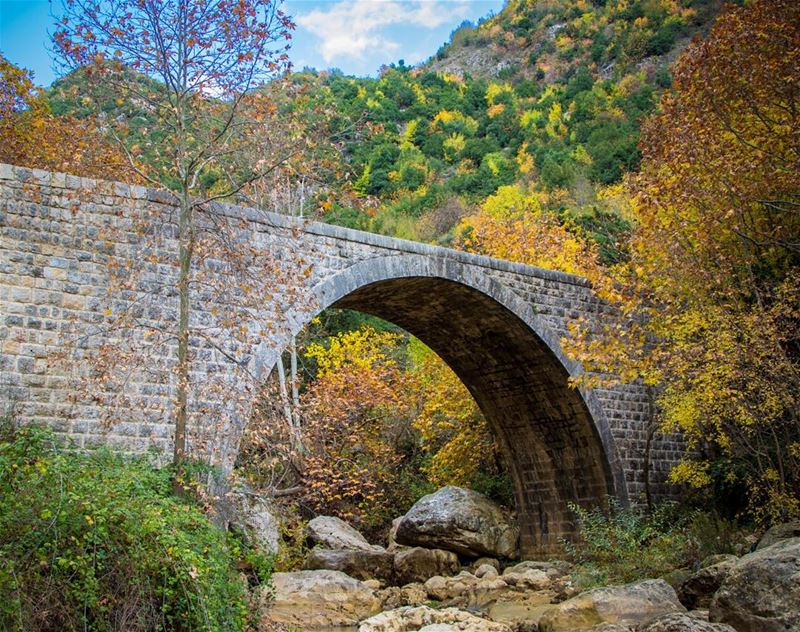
point(627, 544)
point(92, 541)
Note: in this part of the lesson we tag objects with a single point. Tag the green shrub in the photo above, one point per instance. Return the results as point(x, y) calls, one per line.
point(628, 544)
point(92, 541)
point(624, 545)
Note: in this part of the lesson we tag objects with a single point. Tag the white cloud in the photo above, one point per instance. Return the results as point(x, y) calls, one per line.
point(351, 28)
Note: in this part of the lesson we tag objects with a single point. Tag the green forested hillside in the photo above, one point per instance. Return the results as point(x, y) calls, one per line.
point(557, 109)
point(549, 95)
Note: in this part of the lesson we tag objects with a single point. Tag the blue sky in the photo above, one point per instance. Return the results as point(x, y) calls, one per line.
point(357, 36)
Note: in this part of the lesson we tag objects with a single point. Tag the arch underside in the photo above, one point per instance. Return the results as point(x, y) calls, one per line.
point(557, 441)
point(551, 443)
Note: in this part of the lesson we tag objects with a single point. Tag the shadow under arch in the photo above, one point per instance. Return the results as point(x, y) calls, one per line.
point(556, 439)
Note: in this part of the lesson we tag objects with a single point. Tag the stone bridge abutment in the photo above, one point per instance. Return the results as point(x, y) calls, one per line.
point(497, 324)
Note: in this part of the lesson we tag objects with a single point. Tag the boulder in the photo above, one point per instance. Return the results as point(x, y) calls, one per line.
point(315, 599)
point(485, 592)
point(631, 604)
point(398, 596)
point(486, 570)
point(465, 590)
point(428, 619)
point(449, 588)
point(779, 532)
point(762, 591)
point(697, 589)
point(685, 622)
point(459, 520)
point(676, 577)
point(362, 565)
point(481, 561)
point(392, 545)
point(711, 560)
point(528, 579)
point(332, 533)
point(418, 565)
point(554, 569)
point(255, 518)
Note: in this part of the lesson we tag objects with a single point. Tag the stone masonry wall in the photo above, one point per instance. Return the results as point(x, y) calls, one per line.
point(59, 233)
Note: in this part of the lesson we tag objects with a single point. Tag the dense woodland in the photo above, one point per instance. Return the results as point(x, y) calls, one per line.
point(652, 146)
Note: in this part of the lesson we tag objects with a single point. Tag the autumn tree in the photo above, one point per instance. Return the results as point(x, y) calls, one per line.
point(208, 58)
point(452, 429)
point(356, 414)
point(512, 225)
point(31, 136)
point(711, 290)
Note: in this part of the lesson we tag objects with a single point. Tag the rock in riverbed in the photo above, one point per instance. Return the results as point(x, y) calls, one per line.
point(762, 591)
point(428, 619)
point(459, 520)
point(635, 604)
point(316, 599)
point(333, 533)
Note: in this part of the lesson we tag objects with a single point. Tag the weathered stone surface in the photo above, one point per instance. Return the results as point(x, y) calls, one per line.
point(711, 560)
point(398, 596)
point(675, 578)
point(486, 591)
point(356, 563)
point(57, 231)
point(779, 532)
point(315, 599)
point(460, 520)
point(417, 564)
point(447, 588)
point(685, 623)
point(634, 604)
point(554, 569)
point(762, 591)
point(256, 519)
point(392, 544)
point(333, 533)
point(490, 561)
point(520, 610)
point(465, 590)
point(486, 570)
point(697, 589)
point(528, 579)
point(426, 618)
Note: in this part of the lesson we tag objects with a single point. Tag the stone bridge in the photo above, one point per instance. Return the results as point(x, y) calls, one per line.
point(497, 324)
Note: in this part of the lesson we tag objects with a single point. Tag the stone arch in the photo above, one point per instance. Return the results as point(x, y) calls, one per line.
point(556, 439)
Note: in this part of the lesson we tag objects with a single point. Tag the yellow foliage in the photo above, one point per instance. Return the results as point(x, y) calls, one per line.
point(407, 140)
point(450, 424)
point(525, 162)
point(353, 412)
point(512, 225)
point(496, 110)
point(453, 145)
point(712, 287)
point(454, 120)
point(495, 90)
point(690, 473)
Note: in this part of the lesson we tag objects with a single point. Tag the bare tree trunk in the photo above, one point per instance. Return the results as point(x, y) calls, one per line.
point(287, 406)
point(295, 392)
point(186, 240)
